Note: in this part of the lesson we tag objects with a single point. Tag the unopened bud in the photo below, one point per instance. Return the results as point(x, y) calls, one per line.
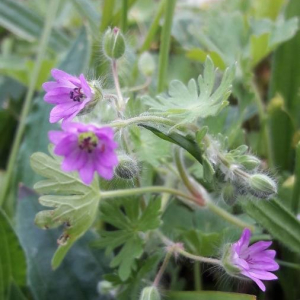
point(262, 185)
point(113, 43)
point(150, 293)
point(146, 64)
point(250, 162)
point(127, 167)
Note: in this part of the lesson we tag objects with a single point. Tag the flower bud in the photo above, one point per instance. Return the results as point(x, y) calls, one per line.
point(146, 64)
point(150, 293)
point(113, 43)
point(262, 185)
point(127, 167)
point(250, 162)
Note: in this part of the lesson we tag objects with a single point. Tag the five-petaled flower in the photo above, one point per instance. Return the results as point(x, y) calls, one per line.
point(255, 261)
point(87, 149)
point(70, 94)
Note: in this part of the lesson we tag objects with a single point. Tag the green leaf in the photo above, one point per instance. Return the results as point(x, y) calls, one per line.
point(187, 104)
point(77, 210)
point(208, 296)
point(25, 23)
point(203, 244)
point(81, 269)
point(12, 258)
point(186, 142)
point(201, 55)
point(130, 226)
point(274, 217)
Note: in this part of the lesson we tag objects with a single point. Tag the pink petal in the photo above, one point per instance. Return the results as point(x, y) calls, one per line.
point(56, 136)
point(62, 111)
point(256, 248)
point(87, 172)
point(107, 158)
point(60, 75)
point(106, 173)
point(262, 275)
point(48, 86)
point(66, 145)
point(86, 88)
point(256, 280)
point(75, 160)
point(243, 242)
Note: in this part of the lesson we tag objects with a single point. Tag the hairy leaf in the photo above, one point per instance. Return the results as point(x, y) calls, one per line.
point(75, 203)
point(129, 225)
point(187, 103)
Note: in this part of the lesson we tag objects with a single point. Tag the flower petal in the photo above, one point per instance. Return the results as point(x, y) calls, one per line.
point(56, 136)
point(87, 171)
point(256, 280)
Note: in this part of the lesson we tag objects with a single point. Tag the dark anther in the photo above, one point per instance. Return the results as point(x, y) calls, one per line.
point(76, 95)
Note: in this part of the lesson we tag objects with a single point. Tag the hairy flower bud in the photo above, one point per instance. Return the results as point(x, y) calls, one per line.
point(250, 162)
point(105, 287)
point(146, 64)
point(150, 293)
point(127, 167)
point(113, 43)
point(262, 185)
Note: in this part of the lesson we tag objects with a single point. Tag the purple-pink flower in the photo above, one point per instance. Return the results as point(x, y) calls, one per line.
point(70, 94)
point(255, 261)
point(87, 149)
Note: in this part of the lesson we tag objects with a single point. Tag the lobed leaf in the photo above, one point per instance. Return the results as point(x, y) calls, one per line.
point(76, 210)
point(186, 103)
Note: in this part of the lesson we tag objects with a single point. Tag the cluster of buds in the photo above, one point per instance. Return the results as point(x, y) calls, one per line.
point(241, 172)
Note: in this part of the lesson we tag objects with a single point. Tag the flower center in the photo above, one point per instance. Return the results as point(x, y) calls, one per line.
point(76, 94)
point(88, 141)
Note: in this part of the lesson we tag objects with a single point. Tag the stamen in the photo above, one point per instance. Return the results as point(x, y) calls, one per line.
point(76, 94)
point(88, 141)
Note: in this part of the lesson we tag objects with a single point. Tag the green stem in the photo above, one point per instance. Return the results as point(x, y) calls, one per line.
point(143, 190)
point(107, 13)
point(124, 15)
point(141, 119)
point(296, 189)
point(197, 276)
point(203, 259)
point(227, 216)
point(162, 268)
point(185, 177)
point(51, 12)
point(121, 103)
point(165, 44)
point(153, 28)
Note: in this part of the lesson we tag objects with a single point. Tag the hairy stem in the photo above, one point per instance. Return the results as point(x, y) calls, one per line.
point(143, 190)
point(121, 104)
point(162, 268)
point(53, 6)
point(141, 119)
point(165, 44)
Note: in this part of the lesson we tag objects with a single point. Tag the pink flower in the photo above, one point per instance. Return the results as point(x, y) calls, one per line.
point(254, 262)
point(70, 94)
point(87, 149)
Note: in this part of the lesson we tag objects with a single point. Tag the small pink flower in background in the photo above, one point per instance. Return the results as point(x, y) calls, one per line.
point(87, 149)
point(70, 94)
point(255, 261)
